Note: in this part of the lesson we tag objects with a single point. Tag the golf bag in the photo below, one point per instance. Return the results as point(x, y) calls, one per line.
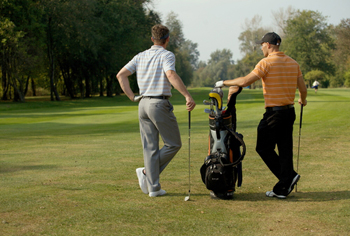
point(222, 168)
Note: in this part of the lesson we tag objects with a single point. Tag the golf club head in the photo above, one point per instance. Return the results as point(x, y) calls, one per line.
point(187, 198)
point(205, 102)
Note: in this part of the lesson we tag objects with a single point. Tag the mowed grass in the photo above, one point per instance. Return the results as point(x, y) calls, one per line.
point(68, 168)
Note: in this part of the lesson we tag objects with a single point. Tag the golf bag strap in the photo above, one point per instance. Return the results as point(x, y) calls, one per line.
point(231, 104)
point(217, 125)
point(239, 175)
point(243, 147)
point(231, 108)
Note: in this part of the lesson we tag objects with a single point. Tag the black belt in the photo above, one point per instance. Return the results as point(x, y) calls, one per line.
point(157, 97)
point(279, 108)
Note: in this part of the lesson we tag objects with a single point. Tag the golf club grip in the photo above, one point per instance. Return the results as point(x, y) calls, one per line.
point(301, 115)
point(189, 120)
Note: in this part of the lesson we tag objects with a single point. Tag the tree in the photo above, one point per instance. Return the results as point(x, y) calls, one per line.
point(185, 51)
point(342, 34)
point(252, 32)
point(191, 50)
point(176, 35)
point(10, 56)
point(220, 55)
point(124, 35)
point(217, 69)
point(281, 16)
point(183, 66)
point(89, 40)
point(309, 42)
point(347, 79)
point(252, 53)
point(341, 54)
point(21, 45)
point(313, 75)
point(247, 64)
point(72, 44)
point(75, 48)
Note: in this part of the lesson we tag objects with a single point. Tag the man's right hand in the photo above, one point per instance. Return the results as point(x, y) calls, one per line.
point(301, 102)
point(219, 84)
point(190, 103)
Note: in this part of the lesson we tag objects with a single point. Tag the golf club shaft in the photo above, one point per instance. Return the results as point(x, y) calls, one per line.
point(300, 124)
point(189, 152)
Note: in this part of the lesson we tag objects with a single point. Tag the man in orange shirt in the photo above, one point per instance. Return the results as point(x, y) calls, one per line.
point(281, 76)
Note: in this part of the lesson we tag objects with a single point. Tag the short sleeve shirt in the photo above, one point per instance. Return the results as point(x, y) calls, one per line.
point(151, 67)
point(279, 74)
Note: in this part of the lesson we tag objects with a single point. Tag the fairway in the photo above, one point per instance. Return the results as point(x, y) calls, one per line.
point(68, 168)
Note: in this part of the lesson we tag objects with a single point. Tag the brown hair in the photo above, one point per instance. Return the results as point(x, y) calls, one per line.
point(160, 33)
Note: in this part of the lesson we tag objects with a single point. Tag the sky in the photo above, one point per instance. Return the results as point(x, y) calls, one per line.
point(217, 24)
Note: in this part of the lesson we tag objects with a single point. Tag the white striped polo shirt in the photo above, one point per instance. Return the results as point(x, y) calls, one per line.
point(279, 74)
point(150, 67)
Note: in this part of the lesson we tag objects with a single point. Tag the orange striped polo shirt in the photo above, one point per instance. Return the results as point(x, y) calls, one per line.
point(279, 74)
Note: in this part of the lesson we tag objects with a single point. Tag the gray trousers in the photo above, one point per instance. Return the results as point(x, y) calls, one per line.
point(157, 119)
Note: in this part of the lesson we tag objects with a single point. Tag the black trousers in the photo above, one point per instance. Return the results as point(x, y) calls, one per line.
point(276, 129)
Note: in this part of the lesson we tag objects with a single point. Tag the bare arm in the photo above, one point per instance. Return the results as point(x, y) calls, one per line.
point(242, 81)
point(122, 77)
point(302, 91)
point(176, 81)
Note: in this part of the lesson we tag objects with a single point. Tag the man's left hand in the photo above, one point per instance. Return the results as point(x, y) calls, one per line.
point(137, 98)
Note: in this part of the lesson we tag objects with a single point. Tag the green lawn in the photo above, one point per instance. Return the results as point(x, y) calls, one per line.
point(68, 168)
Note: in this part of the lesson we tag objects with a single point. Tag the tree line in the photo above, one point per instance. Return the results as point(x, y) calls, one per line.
point(75, 48)
point(72, 48)
point(322, 50)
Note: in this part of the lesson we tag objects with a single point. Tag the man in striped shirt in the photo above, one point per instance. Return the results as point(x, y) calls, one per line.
point(155, 71)
point(280, 76)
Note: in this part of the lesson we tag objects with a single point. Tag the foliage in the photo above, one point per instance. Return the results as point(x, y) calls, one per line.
point(79, 45)
point(341, 54)
point(309, 42)
point(190, 49)
point(247, 64)
point(306, 37)
point(219, 64)
point(21, 46)
point(342, 39)
point(75, 48)
point(176, 35)
point(253, 32)
point(313, 75)
point(183, 66)
point(185, 51)
point(347, 79)
point(281, 16)
point(98, 39)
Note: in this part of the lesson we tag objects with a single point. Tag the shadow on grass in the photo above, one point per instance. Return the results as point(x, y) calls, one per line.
point(12, 168)
point(321, 196)
point(293, 197)
point(296, 197)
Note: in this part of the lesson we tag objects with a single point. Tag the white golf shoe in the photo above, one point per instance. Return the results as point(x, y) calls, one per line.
point(142, 180)
point(157, 193)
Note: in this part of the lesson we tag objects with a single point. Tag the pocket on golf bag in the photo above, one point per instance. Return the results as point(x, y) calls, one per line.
point(217, 177)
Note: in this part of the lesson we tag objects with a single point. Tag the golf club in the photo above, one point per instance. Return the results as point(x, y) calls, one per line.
point(301, 121)
point(189, 157)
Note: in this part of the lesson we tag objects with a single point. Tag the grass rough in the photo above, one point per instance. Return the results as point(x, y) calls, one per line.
point(68, 168)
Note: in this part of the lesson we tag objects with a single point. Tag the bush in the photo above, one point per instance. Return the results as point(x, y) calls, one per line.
point(347, 79)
